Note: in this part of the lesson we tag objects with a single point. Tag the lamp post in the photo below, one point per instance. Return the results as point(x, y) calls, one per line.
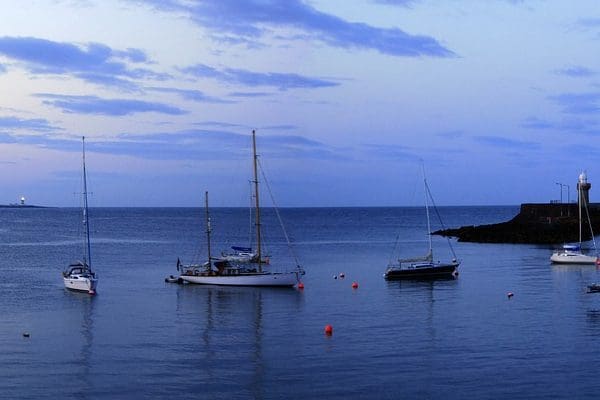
point(568, 200)
point(561, 190)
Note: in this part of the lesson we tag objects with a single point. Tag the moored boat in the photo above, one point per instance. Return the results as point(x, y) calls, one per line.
point(250, 269)
point(79, 275)
point(572, 253)
point(423, 267)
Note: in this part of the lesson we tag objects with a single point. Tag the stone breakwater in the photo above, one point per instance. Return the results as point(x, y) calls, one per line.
point(535, 224)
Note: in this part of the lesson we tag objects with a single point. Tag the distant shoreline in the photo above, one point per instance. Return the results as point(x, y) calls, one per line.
point(20, 206)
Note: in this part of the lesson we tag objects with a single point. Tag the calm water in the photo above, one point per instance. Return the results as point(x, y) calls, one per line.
point(143, 338)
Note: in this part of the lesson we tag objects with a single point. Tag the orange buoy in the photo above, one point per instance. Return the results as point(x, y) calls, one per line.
point(510, 294)
point(328, 330)
point(300, 285)
point(598, 261)
point(354, 285)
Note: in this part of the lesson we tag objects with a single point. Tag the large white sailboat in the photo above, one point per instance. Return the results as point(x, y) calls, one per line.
point(79, 275)
point(572, 253)
point(256, 271)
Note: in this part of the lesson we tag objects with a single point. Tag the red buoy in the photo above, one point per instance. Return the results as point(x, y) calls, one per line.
point(300, 285)
point(328, 330)
point(354, 285)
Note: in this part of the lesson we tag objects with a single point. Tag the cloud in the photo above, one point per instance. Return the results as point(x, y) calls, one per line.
point(574, 125)
point(391, 152)
point(402, 3)
point(452, 135)
point(248, 20)
point(578, 103)
point(36, 124)
point(95, 63)
point(220, 124)
point(111, 107)
point(192, 95)
point(576, 72)
point(279, 127)
point(589, 22)
point(6, 138)
point(249, 94)
point(282, 81)
point(195, 144)
point(504, 142)
point(536, 123)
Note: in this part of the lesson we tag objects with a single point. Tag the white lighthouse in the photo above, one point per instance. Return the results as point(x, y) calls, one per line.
point(583, 189)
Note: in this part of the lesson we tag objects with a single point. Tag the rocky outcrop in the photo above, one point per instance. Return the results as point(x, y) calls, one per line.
point(535, 224)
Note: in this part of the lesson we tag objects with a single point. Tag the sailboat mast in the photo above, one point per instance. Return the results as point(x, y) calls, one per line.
point(208, 229)
point(257, 203)
point(88, 250)
point(579, 201)
point(427, 210)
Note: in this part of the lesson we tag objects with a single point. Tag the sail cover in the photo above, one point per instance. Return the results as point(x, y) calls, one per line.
point(427, 257)
point(245, 249)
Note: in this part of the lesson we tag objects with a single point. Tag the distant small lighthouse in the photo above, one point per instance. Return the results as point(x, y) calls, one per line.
point(583, 189)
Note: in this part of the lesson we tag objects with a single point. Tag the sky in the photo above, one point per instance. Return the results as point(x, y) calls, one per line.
point(499, 100)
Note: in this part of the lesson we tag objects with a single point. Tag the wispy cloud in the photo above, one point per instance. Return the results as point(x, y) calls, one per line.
point(578, 103)
point(35, 124)
point(506, 143)
point(249, 94)
point(248, 20)
point(281, 81)
point(537, 123)
point(195, 144)
point(95, 63)
point(220, 124)
point(391, 152)
point(573, 124)
point(111, 107)
point(279, 127)
point(589, 22)
point(7, 138)
point(192, 95)
point(402, 3)
point(576, 72)
point(451, 134)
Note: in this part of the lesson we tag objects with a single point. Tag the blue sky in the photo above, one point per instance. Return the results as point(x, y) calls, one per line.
point(499, 98)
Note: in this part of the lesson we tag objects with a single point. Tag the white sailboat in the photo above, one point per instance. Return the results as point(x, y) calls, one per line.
point(229, 272)
point(423, 267)
point(572, 253)
point(79, 275)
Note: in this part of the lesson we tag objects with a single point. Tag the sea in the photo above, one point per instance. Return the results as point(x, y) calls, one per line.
point(142, 338)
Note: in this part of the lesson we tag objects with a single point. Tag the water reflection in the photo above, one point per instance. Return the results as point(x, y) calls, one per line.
point(85, 304)
point(226, 332)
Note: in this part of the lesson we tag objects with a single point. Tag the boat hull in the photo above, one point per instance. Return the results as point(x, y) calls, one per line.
point(422, 271)
point(283, 279)
point(81, 284)
point(572, 257)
